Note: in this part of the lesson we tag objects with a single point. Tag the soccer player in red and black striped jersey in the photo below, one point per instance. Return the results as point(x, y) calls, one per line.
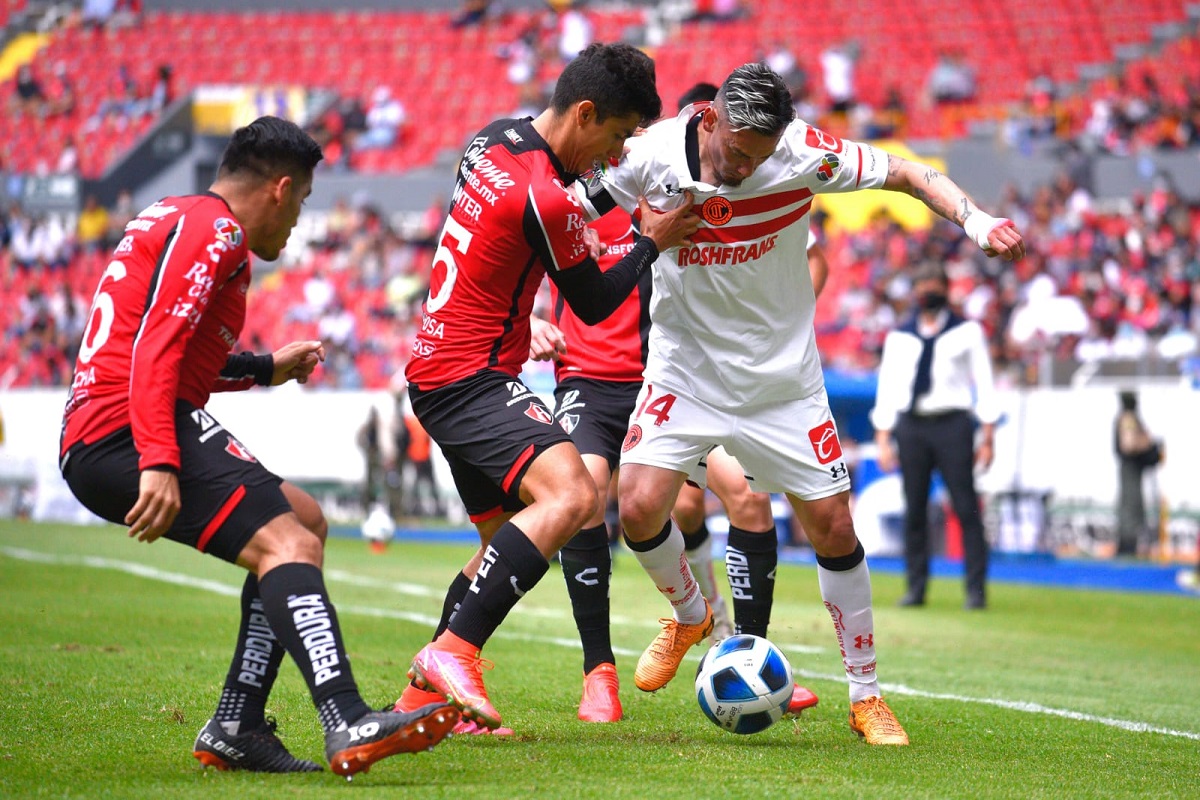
point(139, 449)
point(514, 219)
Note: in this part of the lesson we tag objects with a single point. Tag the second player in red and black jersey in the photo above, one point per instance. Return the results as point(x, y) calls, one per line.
point(615, 349)
point(599, 375)
point(514, 218)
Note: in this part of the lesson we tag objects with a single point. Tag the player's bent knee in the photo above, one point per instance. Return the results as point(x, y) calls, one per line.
point(579, 503)
point(751, 511)
point(283, 540)
point(307, 510)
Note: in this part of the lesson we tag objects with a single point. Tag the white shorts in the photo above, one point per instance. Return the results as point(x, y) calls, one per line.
point(790, 447)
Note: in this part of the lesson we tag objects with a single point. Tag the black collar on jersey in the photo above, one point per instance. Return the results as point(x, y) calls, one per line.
point(222, 199)
point(527, 129)
point(691, 145)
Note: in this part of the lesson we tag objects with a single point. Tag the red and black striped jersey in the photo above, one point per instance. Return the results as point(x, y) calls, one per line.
point(513, 218)
point(167, 312)
point(615, 349)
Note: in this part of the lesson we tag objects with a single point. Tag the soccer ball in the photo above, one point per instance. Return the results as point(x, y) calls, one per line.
point(744, 684)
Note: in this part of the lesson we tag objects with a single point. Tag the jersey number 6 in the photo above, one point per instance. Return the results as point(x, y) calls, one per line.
point(101, 316)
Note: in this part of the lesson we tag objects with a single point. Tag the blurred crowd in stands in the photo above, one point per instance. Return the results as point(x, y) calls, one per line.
point(1115, 283)
point(1102, 281)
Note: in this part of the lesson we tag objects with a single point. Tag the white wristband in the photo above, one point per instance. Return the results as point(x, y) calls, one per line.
point(979, 225)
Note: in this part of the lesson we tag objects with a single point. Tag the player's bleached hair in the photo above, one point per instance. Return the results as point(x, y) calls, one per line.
point(755, 98)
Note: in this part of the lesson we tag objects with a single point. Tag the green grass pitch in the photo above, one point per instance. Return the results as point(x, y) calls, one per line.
point(112, 654)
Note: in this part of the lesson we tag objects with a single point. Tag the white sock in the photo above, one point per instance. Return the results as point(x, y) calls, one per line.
point(701, 561)
point(668, 568)
point(847, 596)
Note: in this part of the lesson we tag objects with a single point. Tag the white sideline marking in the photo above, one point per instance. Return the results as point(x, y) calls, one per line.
point(151, 573)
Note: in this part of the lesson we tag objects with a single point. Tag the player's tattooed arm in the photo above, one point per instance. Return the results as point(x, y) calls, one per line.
point(939, 193)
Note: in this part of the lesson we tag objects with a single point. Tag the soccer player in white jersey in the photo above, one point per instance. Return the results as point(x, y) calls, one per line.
point(732, 352)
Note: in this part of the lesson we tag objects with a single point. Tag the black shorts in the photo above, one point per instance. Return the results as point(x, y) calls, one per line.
point(490, 428)
point(596, 414)
point(225, 494)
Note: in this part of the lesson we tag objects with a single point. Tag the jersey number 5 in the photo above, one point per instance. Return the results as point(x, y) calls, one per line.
point(100, 319)
point(444, 256)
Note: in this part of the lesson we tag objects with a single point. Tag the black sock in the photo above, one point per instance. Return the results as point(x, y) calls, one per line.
point(649, 544)
point(255, 665)
point(695, 538)
point(750, 561)
point(296, 603)
point(587, 568)
point(512, 565)
point(454, 597)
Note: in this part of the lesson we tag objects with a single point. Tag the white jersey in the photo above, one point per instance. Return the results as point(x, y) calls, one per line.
point(733, 313)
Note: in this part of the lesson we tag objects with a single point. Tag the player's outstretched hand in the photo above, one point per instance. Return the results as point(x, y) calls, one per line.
point(1005, 241)
point(157, 505)
point(670, 228)
point(296, 361)
point(546, 341)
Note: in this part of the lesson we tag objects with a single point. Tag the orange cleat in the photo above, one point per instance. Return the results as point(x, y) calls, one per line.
point(661, 660)
point(601, 701)
point(875, 723)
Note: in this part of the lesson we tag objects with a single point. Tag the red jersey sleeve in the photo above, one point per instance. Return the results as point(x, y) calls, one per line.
point(558, 223)
point(205, 250)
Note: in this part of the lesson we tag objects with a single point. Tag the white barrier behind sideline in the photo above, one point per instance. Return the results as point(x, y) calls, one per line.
point(1049, 440)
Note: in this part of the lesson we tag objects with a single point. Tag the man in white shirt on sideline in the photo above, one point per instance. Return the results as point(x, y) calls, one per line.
point(935, 378)
point(732, 356)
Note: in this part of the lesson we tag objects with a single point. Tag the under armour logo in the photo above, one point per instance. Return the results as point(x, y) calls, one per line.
point(513, 580)
point(587, 576)
point(864, 641)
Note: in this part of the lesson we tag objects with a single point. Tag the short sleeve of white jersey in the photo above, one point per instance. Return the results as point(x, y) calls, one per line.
point(611, 187)
point(838, 165)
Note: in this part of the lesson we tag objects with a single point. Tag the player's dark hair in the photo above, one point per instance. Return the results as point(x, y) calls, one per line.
point(930, 271)
point(754, 97)
point(618, 78)
point(703, 92)
point(270, 147)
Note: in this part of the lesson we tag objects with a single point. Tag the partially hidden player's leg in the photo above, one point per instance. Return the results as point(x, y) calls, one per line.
point(690, 517)
point(559, 498)
point(646, 497)
point(845, 585)
point(751, 555)
point(587, 568)
point(285, 555)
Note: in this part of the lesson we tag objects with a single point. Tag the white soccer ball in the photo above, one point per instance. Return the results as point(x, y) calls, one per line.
point(378, 526)
point(744, 684)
